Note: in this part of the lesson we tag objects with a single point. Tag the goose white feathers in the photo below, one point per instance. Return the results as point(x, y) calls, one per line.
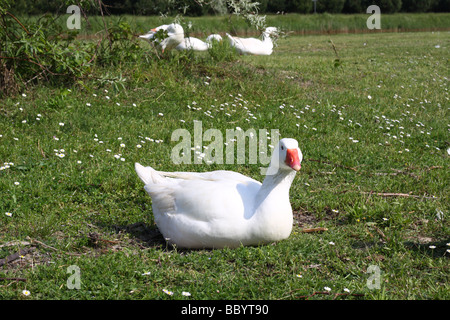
point(175, 35)
point(192, 43)
point(252, 45)
point(214, 37)
point(220, 209)
point(151, 34)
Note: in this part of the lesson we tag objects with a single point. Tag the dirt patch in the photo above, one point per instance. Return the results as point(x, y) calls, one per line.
point(304, 220)
point(144, 235)
point(24, 257)
point(8, 84)
point(295, 77)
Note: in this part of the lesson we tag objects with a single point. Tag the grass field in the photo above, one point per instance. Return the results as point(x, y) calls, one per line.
point(290, 23)
point(372, 120)
point(294, 23)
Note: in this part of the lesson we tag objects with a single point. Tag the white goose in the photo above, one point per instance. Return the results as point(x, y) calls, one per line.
point(223, 208)
point(214, 37)
point(175, 35)
point(191, 43)
point(254, 46)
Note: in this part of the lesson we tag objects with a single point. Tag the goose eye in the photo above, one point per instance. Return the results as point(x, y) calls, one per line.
point(282, 147)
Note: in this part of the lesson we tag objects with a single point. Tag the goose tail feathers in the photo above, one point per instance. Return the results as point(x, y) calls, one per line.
point(148, 175)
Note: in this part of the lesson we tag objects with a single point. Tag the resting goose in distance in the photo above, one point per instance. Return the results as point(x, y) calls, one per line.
point(220, 209)
point(175, 35)
point(191, 43)
point(254, 46)
point(214, 37)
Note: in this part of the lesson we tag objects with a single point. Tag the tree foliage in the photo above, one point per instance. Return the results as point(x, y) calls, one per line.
point(42, 49)
point(204, 7)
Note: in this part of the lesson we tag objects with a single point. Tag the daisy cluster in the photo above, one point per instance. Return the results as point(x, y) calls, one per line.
point(238, 108)
point(6, 165)
point(234, 111)
point(170, 293)
point(108, 147)
point(62, 150)
point(397, 131)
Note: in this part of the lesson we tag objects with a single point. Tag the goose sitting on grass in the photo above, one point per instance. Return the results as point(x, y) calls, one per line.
point(175, 35)
point(191, 43)
point(220, 209)
point(214, 37)
point(254, 46)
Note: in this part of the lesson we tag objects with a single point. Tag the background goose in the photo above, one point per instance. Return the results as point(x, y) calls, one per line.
point(191, 43)
point(252, 45)
point(150, 35)
point(223, 208)
point(214, 37)
point(175, 35)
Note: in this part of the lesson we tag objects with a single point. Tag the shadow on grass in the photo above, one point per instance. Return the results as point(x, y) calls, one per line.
point(432, 249)
point(147, 236)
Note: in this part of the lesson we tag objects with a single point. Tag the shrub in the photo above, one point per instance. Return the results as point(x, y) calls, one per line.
point(276, 6)
point(353, 6)
point(331, 6)
point(417, 5)
point(300, 6)
point(40, 51)
point(386, 6)
point(120, 45)
point(222, 51)
point(442, 6)
point(43, 50)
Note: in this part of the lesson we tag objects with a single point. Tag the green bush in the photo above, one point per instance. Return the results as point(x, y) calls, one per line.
point(276, 6)
point(204, 7)
point(418, 5)
point(42, 49)
point(300, 6)
point(386, 6)
point(120, 45)
point(353, 6)
point(332, 6)
point(441, 6)
point(222, 51)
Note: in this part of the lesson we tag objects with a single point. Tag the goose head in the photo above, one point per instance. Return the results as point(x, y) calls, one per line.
point(214, 37)
point(163, 27)
point(173, 35)
point(150, 36)
point(270, 32)
point(286, 157)
point(175, 29)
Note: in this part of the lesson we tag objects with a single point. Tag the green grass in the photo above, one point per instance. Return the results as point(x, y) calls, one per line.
point(89, 208)
point(292, 23)
point(296, 23)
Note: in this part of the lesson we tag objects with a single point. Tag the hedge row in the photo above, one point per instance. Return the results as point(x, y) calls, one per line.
point(193, 8)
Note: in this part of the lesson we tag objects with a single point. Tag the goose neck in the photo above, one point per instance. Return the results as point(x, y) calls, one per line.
point(278, 184)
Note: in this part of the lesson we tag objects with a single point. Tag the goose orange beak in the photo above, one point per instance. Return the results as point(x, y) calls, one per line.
point(292, 159)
